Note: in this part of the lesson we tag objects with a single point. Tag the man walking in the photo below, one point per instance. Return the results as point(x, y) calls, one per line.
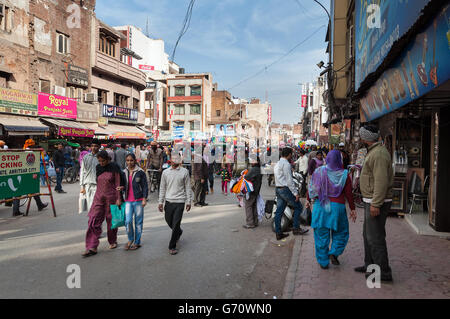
point(376, 188)
point(59, 161)
point(88, 175)
point(155, 160)
point(199, 178)
point(175, 193)
point(286, 193)
point(120, 156)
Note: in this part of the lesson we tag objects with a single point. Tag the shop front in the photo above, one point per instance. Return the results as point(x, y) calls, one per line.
point(411, 104)
point(72, 131)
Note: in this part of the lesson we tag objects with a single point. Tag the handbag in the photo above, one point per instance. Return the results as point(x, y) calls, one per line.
point(118, 216)
point(51, 169)
point(306, 217)
point(82, 204)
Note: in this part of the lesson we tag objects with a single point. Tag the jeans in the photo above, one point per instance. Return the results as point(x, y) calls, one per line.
point(43, 180)
point(59, 178)
point(374, 234)
point(284, 198)
point(134, 209)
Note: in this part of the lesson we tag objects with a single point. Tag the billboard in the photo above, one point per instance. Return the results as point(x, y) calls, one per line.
point(225, 130)
point(421, 67)
point(120, 114)
point(57, 106)
point(18, 102)
point(378, 25)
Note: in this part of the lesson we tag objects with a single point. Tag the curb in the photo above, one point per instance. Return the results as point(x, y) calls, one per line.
point(291, 275)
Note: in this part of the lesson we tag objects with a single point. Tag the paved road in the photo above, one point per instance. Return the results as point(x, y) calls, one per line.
point(217, 259)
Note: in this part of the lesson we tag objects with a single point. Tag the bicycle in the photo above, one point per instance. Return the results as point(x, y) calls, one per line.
point(355, 173)
point(153, 180)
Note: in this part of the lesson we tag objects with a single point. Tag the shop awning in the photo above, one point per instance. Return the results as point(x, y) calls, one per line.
point(99, 130)
point(22, 125)
point(71, 128)
point(125, 132)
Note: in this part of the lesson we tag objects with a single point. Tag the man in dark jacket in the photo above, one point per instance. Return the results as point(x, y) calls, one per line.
point(120, 156)
point(59, 161)
point(254, 176)
point(199, 177)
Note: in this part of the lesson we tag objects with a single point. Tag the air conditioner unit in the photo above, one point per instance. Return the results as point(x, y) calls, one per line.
point(2, 10)
point(59, 90)
point(90, 97)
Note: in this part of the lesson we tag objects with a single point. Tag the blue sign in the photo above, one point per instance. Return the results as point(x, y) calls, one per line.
point(380, 23)
point(178, 132)
point(423, 66)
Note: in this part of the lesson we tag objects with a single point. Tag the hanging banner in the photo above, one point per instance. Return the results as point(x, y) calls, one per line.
point(304, 101)
point(18, 102)
point(423, 66)
point(75, 132)
point(378, 25)
point(57, 106)
point(19, 173)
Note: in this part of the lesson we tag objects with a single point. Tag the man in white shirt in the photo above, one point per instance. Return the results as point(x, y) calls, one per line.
point(302, 163)
point(88, 173)
point(286, 193)
point(175, 193)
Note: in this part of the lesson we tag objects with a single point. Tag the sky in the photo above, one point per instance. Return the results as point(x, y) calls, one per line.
point(235, 39)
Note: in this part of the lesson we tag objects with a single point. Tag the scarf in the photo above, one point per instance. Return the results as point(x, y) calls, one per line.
point(111, 167)
point(328, 181)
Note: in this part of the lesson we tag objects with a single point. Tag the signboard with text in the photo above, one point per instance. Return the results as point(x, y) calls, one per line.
point(57, 106)
point(77, 75)
point(378, 25)
point(423, 65)
point(119, 113)
point(19, 173)
point(75, 132)
point(304, 101)
point(145, 67)
point(18, 102)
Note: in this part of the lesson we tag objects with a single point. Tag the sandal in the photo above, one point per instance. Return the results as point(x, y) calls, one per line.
point(135, 247)
point(173, 251)
point(89, 254)
point(128, 245)
point(113, 246)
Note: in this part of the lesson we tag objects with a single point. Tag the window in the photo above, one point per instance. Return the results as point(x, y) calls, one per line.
point(62, 43)
point(179, 110)
point(120, 100)
point(135, 104)
point(74, 92)
point(195, 125)
point(6, 19)
point(196, 90)
point(195, 109)
point(107, 45)
point(180, 91)
point(44, 86)
point(102, 97)
point(149, 96)
point(217, 113)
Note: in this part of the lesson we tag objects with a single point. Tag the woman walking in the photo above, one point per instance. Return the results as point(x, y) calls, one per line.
point(136, 193)
point(329, 187)
point(108, 193)
point(225, 172)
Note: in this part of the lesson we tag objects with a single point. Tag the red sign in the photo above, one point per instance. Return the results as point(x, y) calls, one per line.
point(57, 106)
point(76, 132)
point(146, 67)
point(270, 113)
point(304, 100)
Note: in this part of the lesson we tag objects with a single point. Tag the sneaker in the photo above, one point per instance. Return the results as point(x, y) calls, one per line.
point(204, 204)
point(299, 231)
point(281, 236)
point(43, 206)
point(248, 226)
point(334, 260)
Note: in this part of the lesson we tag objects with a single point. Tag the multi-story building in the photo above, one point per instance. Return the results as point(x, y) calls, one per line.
point(189, 99)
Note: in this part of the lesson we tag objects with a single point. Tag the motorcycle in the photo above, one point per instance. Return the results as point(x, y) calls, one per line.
point(287, 218)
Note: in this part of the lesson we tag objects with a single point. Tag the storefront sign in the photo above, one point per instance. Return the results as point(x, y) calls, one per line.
point(151, 85)
point(57, 106)
point(18, 102)
point(76, 132)
point(125, 135)
point(145, 67)
point(86, 112)
point(423, 66)
point(77, 75)
point(377, 28)
point(121, 114)
point(19, 173)
point(304, 101)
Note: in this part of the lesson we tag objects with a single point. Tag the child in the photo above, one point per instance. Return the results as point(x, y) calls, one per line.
point(226, 177)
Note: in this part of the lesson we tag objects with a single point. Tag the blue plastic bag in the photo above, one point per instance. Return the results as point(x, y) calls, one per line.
point(118, 216)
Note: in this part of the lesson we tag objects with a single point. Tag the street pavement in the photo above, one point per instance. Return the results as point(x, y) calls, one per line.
point(217, 259)
point(420, 266)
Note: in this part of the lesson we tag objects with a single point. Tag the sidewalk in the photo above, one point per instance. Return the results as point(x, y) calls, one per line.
point(420, 266)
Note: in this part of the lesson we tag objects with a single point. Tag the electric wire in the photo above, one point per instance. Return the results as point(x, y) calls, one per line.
point(185, 28)
point(277, 60)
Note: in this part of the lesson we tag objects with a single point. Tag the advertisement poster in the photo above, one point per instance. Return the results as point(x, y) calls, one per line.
point(120, 113)
point(19, 173)
point(75, 132)
point(304, 101)
point(378, 25)
point(18, 102)
point(422, 67)
point(225, 130)
point(178, 132)
point(57, 106)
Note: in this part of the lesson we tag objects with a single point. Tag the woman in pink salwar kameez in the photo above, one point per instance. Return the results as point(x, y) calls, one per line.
point(108, 193)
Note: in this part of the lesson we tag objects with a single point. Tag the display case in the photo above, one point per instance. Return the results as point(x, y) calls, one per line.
point(400, 195)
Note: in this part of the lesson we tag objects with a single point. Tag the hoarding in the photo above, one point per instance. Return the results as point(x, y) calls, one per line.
point(225, 130)
point(18, 102)
point(379, 24)
point(120, 114)
point(19, 173)
point(57, 106)
point(421, 67)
